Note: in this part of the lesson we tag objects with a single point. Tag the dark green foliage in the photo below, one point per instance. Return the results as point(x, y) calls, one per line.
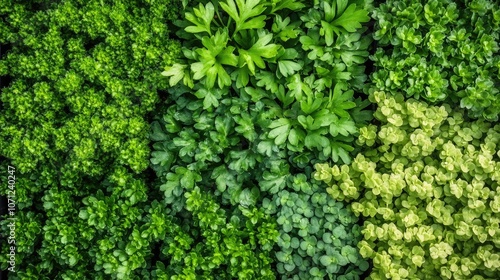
point(306, 65)
point(210, 153)
point(199, 153)
point(265, 90)
point(441, 50)
point(318, 237)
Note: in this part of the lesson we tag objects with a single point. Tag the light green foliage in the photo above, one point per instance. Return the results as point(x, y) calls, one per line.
point(84, 75)
point(305, 68)
point(81, 87)
point(429, 189)
point(440, 50)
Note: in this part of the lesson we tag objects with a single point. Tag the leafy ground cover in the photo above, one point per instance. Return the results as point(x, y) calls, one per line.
point(263, 90)
point(428, 189)
point(251, 139)
point(440, 50)
point(84, 75)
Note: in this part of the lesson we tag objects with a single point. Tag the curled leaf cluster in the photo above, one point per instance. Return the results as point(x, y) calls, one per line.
point(440, 51)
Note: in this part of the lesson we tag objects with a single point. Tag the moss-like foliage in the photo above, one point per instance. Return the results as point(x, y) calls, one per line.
point(84, 75)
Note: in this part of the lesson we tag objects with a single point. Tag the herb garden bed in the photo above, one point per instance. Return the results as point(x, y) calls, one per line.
point(250, 139)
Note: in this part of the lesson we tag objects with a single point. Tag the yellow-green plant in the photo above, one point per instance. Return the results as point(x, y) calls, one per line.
point(428, 188)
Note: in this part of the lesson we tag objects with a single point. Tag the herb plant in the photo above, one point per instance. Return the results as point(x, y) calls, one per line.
point(306, 66)
point(215, 247)
point(252, 155)
point(265, 88)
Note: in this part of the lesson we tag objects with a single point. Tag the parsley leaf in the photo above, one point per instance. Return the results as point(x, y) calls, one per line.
point(246, 14)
